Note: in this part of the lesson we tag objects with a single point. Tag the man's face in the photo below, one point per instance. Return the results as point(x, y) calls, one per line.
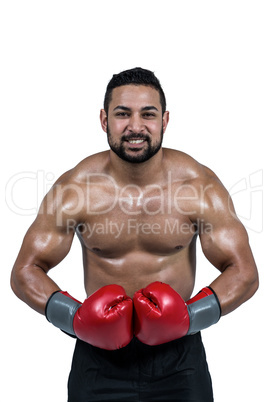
point(135, 124)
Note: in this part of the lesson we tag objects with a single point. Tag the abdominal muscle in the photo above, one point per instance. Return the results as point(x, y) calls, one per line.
point(137, 268)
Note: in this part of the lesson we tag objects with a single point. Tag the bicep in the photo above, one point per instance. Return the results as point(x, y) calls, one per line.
point(223, 238)
point(45, 244)
point(226, 244)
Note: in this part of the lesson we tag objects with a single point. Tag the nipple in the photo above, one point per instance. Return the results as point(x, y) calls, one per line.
point(179, 247)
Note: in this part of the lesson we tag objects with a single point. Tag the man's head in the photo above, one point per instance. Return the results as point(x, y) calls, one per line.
point(134, 115)
point(135, 76)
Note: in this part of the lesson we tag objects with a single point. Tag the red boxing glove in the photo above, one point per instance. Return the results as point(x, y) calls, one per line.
point(104, 320)
point(161, 315)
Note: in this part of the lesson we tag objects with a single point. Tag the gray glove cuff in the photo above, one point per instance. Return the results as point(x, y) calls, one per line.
point(60, 311)
point(203, 313)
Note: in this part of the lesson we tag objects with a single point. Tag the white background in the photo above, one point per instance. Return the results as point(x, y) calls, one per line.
point(56, 60)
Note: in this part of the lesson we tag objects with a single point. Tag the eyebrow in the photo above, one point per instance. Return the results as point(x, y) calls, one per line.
point(129, 109)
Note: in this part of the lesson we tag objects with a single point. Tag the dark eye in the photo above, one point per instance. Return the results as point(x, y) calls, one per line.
point(148, 115)
point(122, 114)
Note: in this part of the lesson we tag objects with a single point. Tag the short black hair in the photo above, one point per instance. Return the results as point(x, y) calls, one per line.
point(134, 76)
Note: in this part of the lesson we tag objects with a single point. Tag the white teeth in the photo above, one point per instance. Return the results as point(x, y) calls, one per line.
point(135, 141)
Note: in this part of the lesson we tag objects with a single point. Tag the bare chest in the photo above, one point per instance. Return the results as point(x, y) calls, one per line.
point(135, 220)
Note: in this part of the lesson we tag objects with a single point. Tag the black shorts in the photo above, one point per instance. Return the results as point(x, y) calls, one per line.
point(174, 371)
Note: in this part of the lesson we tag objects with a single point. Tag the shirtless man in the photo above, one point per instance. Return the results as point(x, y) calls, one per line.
point(137, 210)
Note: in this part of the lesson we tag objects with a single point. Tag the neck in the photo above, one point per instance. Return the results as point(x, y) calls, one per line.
point(143, 173)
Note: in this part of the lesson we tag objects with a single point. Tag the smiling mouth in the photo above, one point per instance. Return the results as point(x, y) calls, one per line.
point(136, 141)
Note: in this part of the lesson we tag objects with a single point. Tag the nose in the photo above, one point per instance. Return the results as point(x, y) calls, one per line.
point(136, 124)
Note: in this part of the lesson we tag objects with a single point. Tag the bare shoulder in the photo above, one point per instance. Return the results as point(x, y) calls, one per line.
point(199, 185)
point(188, 169)
point(93, 164)
point(68, 194)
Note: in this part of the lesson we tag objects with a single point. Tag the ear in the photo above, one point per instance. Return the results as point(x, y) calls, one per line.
point(103, 120)
point(165, 120)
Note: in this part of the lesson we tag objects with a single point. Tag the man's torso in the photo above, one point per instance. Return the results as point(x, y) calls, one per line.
point(133, 234)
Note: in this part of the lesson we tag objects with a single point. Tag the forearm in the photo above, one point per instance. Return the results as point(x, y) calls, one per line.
point(235, 286)
point(32, 285)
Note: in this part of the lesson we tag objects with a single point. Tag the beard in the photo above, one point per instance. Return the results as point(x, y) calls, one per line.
point(120, 150)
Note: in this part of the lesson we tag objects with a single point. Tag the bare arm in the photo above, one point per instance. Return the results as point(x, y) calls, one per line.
point(225, 244)
point(46, 243)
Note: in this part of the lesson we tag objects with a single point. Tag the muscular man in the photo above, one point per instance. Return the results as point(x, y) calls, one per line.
point(137, 209)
